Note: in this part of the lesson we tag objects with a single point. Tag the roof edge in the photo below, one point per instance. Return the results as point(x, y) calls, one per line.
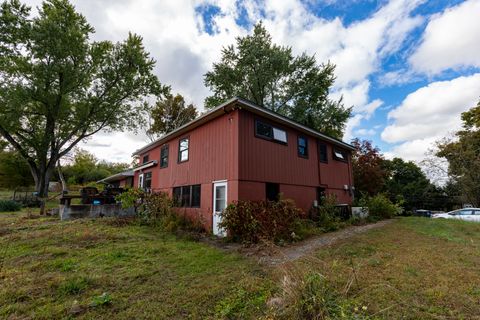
point(179, 129)
point(248, 104)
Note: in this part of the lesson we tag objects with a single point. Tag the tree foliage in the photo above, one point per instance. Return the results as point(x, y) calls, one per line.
point(14, 170)
point(402, 181)
point(87, 168)
point(408, 184)
point(368, 165)
point(463, 156)
point(168, 114)
point(57, 87)
point(272, 77)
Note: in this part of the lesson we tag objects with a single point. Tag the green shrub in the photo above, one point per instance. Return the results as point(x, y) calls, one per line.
point(9, 206)
point(132, 198)
point(326, 216)
point(381, 207)
point(252, 221)
point(157, 209)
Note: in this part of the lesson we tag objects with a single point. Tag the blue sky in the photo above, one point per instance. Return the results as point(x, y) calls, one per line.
point(409, 67)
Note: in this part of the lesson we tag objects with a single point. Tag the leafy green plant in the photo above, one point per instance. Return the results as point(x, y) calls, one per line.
point(132, 198)
point(327, 214)
point(380, 206)
point(9, 206)
point(253, 221)
point(157, 209)
point(101, 300)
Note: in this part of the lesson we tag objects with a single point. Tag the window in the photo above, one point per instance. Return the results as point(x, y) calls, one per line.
point(465, 212)
point(272, 191)
point(145, 158)
point(196, 190)
point(140, 181)
point(164, 156)
point(322, 151)
point(147, 180)
point(187, 196)
point(302, 147)
point(183, 150)
point(339, 154)
point(269, 132)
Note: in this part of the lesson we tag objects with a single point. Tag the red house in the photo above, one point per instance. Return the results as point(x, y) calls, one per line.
point(240, 151)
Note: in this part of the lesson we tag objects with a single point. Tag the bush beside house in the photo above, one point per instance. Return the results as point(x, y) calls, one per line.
point(157, 209)
point(255, 221)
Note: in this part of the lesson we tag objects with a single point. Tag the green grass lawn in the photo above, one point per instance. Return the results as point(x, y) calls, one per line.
point(413, 268)
point(56, 269)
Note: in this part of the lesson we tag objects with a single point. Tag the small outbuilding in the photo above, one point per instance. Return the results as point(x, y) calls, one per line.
point(119, 180)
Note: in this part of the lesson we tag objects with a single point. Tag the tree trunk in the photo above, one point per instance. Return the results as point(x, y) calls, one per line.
point(41, 185)
point(62, 178)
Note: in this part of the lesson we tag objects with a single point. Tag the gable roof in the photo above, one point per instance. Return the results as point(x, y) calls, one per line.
point(247, 105)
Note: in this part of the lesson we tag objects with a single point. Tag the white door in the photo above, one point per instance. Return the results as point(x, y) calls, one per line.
point(219, 204)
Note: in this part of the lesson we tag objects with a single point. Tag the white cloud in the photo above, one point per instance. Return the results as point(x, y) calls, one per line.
point(174, 34)
point(430, 113)
point(365, 132)
point(352, 123)
point(412, 150)
point(450, 40)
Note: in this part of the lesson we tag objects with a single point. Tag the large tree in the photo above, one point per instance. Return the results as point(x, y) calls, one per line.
point(406, 182)
point(368, 166)
point(272, 77)
point(463, 156)
point(57, 87)
point(168, 114)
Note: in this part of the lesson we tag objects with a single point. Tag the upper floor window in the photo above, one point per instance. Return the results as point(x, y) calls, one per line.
point(339, 154)
point(183, 150)
point(269, 132)
point(164, 156)
point(145, 158)
point(322, 152)
point(302, 147)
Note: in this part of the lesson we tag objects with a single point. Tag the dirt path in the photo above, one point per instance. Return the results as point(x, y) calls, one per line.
point(279, 255)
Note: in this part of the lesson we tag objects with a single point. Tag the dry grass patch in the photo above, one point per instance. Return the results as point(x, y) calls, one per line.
point(412, 269)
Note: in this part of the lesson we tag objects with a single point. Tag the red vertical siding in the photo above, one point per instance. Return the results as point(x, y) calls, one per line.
point(213, 155)
point(226, 148)
point(266, 161)
point(302, 195)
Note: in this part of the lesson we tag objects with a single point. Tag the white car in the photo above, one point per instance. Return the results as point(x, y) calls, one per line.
point(467, 214)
